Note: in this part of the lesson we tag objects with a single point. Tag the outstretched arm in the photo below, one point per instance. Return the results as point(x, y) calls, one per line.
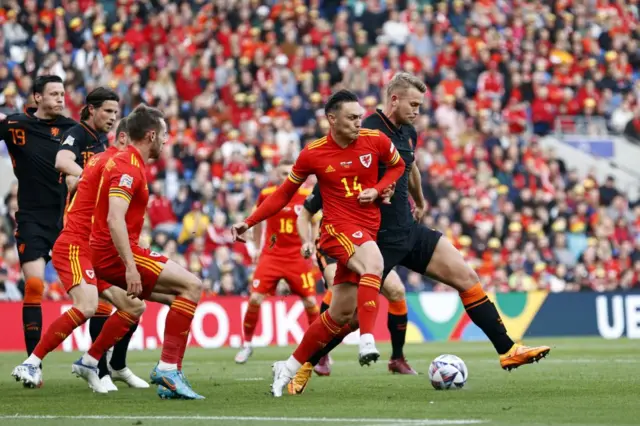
point(415, 189)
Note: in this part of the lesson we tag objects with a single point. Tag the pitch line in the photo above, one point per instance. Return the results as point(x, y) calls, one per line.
point(425, 422)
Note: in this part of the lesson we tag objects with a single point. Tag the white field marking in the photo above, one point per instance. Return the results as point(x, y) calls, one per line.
point(250, 379)
point(426, 422)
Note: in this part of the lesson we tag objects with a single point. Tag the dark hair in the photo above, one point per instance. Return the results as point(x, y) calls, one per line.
point(122, 126)
point(96, 98)
point(41, 82)
point(143, 119)
point(337, 99)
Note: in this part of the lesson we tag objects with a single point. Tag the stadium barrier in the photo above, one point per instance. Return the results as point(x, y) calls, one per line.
point(432, 316)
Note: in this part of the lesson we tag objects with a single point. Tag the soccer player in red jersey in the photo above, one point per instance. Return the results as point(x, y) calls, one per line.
point(281, 258)
point(117, 258)
point(72, 259)
point(346, 165)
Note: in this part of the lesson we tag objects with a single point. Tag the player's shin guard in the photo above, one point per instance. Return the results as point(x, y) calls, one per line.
point(120, 349)
point(62, 327)
point(397, 325)
point(250, 321)
point(312, 314)
point(183, 351)
point(32, 312)
point(368, 291)
point(318, 335)
point(113, 331)
point(96, 323)
point(326, 301)
point(333, 343)
point(485, 315)
point(176, 332)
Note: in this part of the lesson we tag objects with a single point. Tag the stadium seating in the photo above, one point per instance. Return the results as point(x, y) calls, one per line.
point(243, 84)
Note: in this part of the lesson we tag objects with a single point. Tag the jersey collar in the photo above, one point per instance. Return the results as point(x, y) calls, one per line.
point(387, 122)
point(94, 133)
point(31, 113)
point(135, 152)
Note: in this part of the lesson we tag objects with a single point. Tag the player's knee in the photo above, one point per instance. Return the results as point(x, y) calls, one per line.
point(394, 290)
point(87, 308)
point(374, 265)
point(194, 288)
point(136, 308)
point(464, 277)
point(256, 298)
point(341, 314)
point(353, 322)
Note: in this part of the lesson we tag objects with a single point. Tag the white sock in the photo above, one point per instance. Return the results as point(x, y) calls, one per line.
point(165, 366)
point(33, 360)
point(367, 339)
point(89, 360)
point(247, 344)
point(292, 366)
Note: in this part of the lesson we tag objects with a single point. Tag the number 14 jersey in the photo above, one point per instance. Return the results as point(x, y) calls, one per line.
point(345, 172)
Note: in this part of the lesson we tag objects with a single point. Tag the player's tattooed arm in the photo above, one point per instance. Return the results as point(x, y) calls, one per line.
point(415, 189)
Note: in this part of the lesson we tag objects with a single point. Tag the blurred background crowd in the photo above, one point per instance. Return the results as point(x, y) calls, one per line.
point(243, 83)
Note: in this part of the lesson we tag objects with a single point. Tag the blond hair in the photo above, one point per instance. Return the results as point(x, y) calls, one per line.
point(403, 81)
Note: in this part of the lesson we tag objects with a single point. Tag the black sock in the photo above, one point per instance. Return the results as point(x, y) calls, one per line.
point(119, 356)
point(32, 325)
point(485, 315)
point(315, 358)
point(95, 327)
point(397, 325)
point(323, 307)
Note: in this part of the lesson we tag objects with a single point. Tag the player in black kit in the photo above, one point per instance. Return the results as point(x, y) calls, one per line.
point(403, 240)
point(32, 139)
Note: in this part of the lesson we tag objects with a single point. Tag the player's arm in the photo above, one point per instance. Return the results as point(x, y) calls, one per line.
point(121, 191)
point(392, 159)
point(415, 189)
point(67, 154)
point(305, 222)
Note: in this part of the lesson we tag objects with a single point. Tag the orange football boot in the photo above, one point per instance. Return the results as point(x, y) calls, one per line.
point(299, 382)
point(520, 355)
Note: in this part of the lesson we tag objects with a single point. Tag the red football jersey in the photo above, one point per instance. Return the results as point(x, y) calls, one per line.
point(281, 236)
point(77, 219)
point(124, 176)
point(344, 172)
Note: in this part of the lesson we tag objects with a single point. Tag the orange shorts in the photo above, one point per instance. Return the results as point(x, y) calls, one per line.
point(72, 260)
point(297, 272)
point(109, 267)
point(339, 242)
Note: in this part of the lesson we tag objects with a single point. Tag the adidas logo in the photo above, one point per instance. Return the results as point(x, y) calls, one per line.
point(370, 303)
point(329, 169)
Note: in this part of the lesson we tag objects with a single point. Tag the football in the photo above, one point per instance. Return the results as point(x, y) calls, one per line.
point(448, 372)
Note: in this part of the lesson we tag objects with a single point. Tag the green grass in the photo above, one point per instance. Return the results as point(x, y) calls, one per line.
point(583, 382)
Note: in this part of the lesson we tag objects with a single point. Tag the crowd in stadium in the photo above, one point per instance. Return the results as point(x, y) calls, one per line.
point(243, 84)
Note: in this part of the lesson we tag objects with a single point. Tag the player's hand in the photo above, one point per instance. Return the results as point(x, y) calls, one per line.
point(368, 196)
point(237, 230)
point(419, 212)
point(72, 183)
point(134, 283)
point(388, 193)
point(307, 250)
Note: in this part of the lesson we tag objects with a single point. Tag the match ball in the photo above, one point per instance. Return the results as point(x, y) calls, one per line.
point(448, 372)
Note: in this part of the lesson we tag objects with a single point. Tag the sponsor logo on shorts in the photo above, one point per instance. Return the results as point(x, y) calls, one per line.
point(90, 273)
point(255, 283)
point(366, 160)
point(357, 234)
point(126, 181)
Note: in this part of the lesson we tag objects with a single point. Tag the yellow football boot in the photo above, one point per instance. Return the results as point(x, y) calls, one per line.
point(299, 382)
point(519, 355)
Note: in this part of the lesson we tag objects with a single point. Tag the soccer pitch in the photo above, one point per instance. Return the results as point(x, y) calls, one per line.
point(582, 382)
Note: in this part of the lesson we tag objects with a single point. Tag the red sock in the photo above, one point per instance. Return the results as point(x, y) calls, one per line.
point(176, 329)
point(186, 341)
point(113, 330)
point(250, 321)
point(62, 327)
point(368, 291)
point(312, 314)
point(317, 336)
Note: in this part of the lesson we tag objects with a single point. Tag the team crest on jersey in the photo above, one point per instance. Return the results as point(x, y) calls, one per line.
point(256, 283)
point(90, 273)
point(55, 132)
point(154, 254)
point(126, 181)
point(357, 234)
point(366, 160)
point(298, 209)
